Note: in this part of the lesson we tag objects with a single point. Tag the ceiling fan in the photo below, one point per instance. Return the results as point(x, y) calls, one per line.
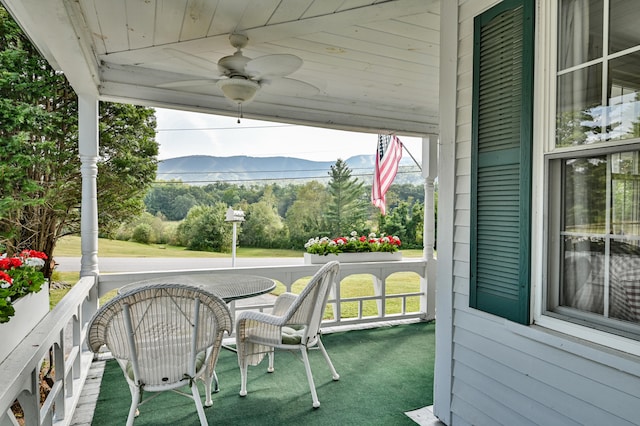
point(240, 78)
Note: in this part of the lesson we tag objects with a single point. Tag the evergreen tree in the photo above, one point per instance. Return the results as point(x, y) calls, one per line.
point(347, 210)
point(40, 181)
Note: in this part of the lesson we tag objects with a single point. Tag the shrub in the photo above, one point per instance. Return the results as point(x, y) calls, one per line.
point(205, 229)
point(142, 233)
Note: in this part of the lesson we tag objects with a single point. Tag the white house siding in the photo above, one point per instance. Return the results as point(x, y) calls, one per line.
point(502, 372)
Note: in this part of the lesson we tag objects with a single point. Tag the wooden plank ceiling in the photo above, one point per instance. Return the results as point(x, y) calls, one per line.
point(374, 63)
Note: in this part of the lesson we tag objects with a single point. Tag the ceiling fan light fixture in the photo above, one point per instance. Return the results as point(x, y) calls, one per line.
point(238, 90)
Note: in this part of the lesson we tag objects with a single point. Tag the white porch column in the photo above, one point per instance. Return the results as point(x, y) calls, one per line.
point(429, 173)
point(88, 149)
point(443, 380)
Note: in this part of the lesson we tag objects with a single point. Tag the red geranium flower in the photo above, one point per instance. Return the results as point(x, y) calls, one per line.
point(33, 253)
point(7, 263)
point(5, 277)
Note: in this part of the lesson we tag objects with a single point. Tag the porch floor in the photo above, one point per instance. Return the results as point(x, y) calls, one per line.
point(409, 346)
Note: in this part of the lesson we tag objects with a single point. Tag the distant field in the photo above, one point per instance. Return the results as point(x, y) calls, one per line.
point(70, 247)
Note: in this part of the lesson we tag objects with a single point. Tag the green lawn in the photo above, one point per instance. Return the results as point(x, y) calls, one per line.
point(352, 286)
point(70, 246)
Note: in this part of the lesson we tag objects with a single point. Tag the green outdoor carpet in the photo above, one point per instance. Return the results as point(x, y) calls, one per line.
point(384, 372)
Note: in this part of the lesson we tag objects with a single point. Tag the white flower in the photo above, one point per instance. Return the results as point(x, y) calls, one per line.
point(311, 242)
point(36, 262)
point(354, 234)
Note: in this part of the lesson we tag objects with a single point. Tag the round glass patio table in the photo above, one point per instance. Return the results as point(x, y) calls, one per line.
point(228, 287)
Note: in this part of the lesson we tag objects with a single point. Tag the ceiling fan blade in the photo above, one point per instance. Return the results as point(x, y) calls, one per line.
point(289, 87)
point(210, 68)
point(187, 83)
point(273, 66)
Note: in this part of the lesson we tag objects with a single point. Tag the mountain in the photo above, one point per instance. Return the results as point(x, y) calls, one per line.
point(242, 169)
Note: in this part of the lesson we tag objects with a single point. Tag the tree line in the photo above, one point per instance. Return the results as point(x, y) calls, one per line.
point(276, 216)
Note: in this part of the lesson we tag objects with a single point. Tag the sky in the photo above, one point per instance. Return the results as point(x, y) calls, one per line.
point(181, 133)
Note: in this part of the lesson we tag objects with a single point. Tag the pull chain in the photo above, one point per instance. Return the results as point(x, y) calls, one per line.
point(240, 112)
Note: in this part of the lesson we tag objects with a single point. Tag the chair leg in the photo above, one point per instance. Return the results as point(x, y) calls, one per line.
point(198, 402)
point(307, 367)
point(210, 379)
point(216, 383)
point(270, 369)
point(135, 400)
point(243, 376)
point(334, 373)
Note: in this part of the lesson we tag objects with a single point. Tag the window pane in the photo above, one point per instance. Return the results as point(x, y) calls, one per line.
point(600, 266)
point(625, 190)
point(583, 278)
point(585, 189)
point(624, 97)
point(579, 111)
point(580, 32)
point(584, 199)
point(623, 22)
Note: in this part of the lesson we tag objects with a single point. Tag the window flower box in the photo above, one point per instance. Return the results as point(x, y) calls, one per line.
point(353, 249)
point(311, 259)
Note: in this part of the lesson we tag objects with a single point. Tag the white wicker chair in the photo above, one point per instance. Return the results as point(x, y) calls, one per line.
point(293, 325)
point(164, 337)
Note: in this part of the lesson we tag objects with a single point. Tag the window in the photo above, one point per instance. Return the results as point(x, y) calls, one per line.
point(594, 168)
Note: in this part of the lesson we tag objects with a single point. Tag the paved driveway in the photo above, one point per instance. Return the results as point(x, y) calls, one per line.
point(129, 264)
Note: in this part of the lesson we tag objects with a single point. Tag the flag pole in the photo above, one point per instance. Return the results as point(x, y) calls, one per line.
point(411, 155)
point(408, 152)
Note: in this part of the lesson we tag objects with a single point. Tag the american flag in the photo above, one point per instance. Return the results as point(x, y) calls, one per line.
point(388, 157)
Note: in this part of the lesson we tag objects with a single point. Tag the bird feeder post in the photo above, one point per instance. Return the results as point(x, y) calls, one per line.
point(235, 217)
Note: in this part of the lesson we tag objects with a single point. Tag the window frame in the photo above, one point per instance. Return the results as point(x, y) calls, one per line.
point(544, 200)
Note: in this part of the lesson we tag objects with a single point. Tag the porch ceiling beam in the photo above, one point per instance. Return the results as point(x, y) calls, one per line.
point(349, 118)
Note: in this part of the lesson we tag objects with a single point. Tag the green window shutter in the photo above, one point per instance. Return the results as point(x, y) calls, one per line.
point(501, 160)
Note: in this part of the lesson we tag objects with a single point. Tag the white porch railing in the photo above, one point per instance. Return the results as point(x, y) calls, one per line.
point(63, 330)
